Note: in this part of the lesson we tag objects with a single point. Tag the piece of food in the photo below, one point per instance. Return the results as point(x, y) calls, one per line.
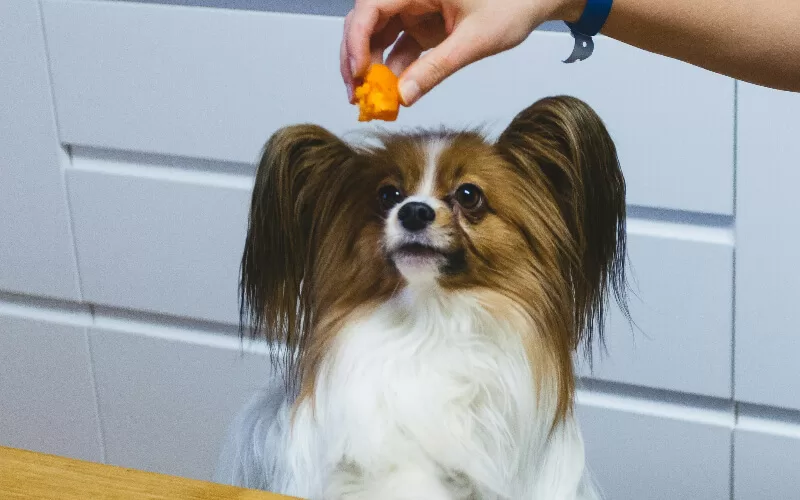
point(378, 96)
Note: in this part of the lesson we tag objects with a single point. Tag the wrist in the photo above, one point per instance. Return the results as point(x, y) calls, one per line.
point(568, 10)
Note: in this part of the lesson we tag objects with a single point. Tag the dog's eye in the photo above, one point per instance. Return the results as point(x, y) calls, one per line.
point(469, 196)
point(389, 196)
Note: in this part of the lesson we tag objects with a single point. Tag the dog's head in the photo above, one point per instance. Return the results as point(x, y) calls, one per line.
point(536, 216)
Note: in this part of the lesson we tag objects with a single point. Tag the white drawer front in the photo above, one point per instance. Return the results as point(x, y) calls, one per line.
point(47, 401)
point(637, 454)
point(172, 245)
point(682, 308)
point(767, 271)
point(167, 398)
point(164, 244)
point(36, 253)
point(766, 460)
point(215, 83)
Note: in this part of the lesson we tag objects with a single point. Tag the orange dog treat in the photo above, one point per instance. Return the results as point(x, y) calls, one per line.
point(378, 97)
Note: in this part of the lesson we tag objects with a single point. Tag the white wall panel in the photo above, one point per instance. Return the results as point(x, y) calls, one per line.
point(215, 83)
point(326, 8)
point(682, 308)
point(47, 397)
point(167, 396)
point(639, 451)
point(766, 460)
point(36, 253)
point(160, 240)
point(767, 271)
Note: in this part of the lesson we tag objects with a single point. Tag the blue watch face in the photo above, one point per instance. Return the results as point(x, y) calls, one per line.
point(593, 18)
point(584, 46)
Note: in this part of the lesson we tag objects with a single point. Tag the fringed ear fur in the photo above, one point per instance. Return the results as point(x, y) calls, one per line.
point(566, 141)
point(279, 252)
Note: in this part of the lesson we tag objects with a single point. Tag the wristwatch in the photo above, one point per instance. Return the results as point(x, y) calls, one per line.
point(590, 23)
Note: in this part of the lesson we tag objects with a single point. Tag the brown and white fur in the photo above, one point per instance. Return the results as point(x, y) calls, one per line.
point(426, 296)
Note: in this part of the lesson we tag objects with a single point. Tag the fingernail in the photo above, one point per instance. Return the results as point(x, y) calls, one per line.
point(353, 66)
point(349, 92)
point(409, 92)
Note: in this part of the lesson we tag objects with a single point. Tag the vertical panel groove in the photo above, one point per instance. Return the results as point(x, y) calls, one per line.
point(63, 154)
point(93, 372)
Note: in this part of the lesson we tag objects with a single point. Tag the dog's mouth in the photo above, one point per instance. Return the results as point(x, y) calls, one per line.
point(422, 256)
point(418, 250)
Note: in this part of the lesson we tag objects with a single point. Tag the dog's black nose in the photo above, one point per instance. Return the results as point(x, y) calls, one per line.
point(415, 215)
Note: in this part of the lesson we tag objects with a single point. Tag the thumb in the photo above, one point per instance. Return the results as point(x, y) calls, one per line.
point(465, 45)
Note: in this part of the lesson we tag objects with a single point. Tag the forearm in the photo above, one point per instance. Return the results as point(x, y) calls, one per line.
point(751, 40)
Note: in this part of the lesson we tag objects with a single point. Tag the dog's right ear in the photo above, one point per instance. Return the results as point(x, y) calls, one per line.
point(274, 291)
point(564, 140)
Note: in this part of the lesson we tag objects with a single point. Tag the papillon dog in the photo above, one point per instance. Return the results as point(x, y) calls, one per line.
point(424, 295)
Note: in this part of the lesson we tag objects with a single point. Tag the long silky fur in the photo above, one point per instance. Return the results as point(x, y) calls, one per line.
point(276, 296)
point(564, 138)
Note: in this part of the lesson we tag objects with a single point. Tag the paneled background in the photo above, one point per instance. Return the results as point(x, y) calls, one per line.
point(128, 136)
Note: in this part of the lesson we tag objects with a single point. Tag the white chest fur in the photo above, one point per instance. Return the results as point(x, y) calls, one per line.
point(430, 396)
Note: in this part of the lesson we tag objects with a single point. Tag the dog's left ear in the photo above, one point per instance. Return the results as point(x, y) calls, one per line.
point(563, 139)
point(303, 169)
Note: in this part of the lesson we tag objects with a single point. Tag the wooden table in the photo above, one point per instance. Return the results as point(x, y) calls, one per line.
point(28, 475)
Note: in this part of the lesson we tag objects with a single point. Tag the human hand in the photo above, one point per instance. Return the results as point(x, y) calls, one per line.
point(454, 33)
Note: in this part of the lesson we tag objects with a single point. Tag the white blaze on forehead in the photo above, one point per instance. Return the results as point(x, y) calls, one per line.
point(420, 269)
point(433, 150)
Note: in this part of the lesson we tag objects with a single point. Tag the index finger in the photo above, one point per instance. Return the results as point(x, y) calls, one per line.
point(344, 62)
point(367, 18)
